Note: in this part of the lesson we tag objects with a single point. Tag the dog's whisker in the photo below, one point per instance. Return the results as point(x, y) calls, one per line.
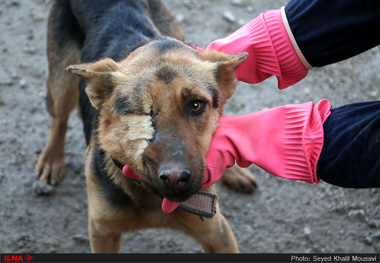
point(208, 166)
point(162, 219)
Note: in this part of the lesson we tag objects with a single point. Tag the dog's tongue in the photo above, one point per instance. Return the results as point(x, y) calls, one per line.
point(128, 172)
point(167, 205)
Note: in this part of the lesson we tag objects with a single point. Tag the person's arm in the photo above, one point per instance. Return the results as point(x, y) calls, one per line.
point(330, 31)
point(351, 149)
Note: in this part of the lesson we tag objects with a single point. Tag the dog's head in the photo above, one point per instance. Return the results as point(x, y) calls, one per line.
point(159, 108)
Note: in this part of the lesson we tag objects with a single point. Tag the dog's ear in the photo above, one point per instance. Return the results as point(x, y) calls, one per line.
point(101, 76)
point(223, 67)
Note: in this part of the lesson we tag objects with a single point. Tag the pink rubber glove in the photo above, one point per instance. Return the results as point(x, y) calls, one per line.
point(285, 141)
point(270, 51)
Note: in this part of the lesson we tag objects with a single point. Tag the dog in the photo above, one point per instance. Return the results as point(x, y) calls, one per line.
point(147, 100)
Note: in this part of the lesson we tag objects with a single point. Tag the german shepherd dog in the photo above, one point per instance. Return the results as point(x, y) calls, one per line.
point(147, 100)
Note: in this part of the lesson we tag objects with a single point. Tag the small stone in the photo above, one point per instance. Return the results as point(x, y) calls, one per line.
point(37, 16)
point(368, 240)
point(374, 93)
point(376, 237)
point(22, 83)
point(51, 246)
point(307, 230)
point(241, 22)
point(29, 50)
point(358, 214)
point(179, 18)
point(23, 65)
point(7, 82)
point(23, 242)
point(188, 4)
point(2, 177)
point(250, 9)
point(12, 140)
point(42, 188)
point(377, 213)
point(13, 3)
point(373, 223)
point(229, 17)
point(33, 109)
point(28, 183)
point(81, 239)
point(237, 2)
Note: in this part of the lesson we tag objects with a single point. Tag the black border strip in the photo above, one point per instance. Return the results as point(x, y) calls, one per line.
point(341, 257)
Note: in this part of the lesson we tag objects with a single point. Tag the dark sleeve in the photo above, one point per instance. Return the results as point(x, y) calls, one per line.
point(351, 151)
point(328, 31)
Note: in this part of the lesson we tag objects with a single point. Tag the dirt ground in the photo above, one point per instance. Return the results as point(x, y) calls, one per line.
point(280, 216)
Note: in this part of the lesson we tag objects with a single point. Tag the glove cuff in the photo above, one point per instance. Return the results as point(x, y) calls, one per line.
point(291, 67)
point(303, 140)
point(289, 140)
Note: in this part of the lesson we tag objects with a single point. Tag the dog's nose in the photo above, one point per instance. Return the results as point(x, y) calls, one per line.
point(174, 176)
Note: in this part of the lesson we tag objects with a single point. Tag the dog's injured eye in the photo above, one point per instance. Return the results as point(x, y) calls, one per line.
point(122, 105)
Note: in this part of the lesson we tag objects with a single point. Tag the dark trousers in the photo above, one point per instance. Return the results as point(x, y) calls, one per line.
point(351, 153)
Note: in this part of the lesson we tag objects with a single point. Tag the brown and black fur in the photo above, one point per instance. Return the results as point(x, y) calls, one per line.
point(146, 100)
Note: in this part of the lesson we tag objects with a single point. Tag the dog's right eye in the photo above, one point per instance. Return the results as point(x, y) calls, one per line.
point(197, 107)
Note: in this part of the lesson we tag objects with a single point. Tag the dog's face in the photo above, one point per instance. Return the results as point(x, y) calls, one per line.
point(159, 108)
